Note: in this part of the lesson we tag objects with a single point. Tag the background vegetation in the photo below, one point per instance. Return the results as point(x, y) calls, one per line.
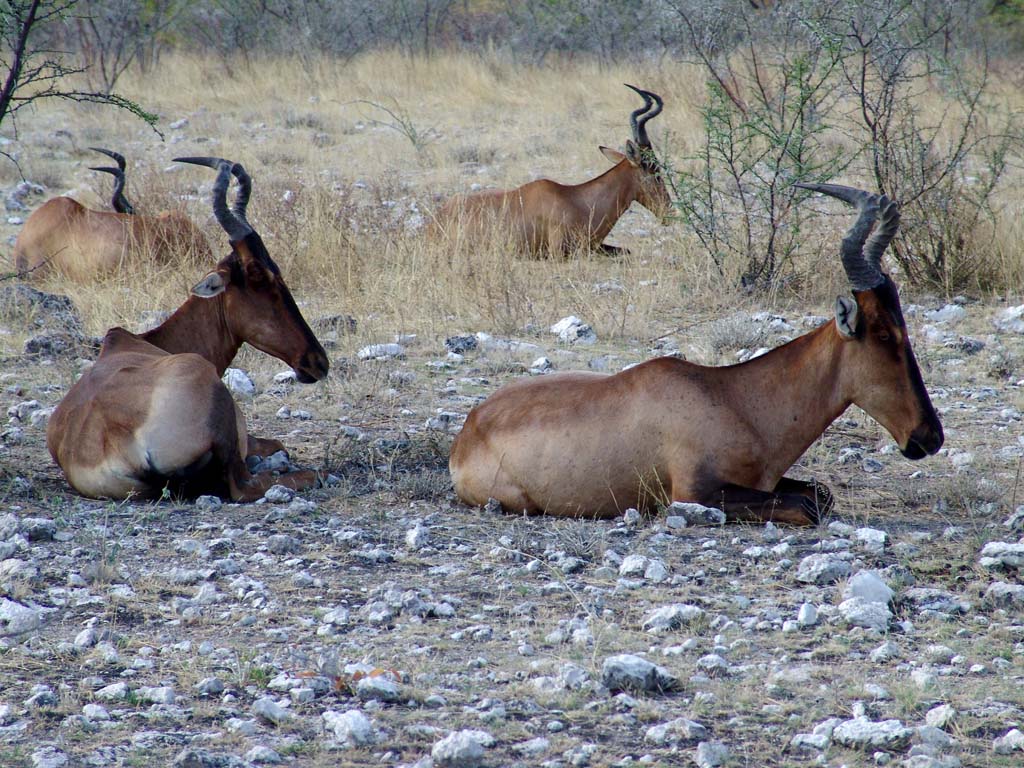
point(358, 117)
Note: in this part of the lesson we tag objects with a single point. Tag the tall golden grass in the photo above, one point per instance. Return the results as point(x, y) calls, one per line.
point(340, 182)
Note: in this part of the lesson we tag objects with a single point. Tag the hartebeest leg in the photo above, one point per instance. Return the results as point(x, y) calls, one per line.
point(812, 489)
point(245, 486)
point(749, 505)
point(264, 447)
point(612, 250)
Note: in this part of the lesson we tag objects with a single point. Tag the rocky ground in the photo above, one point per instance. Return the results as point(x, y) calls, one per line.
point(377, 621)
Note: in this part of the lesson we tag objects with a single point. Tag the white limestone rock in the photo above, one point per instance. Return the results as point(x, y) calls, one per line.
point(671, 617)
point(238, 383)
point(351, 728)
point(822, 569)
point(627, 671)
point(861, 733)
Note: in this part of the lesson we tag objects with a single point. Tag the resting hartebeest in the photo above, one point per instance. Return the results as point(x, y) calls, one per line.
point(591, 444)
point(153, 414)
point(547, 217)
point(62, 235)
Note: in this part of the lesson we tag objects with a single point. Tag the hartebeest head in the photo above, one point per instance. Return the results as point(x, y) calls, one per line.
point(258, 308)
point(886, 381)
point(118, 201)
point(653, 194)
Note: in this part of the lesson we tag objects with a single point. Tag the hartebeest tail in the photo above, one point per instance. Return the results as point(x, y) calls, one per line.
point(152, 415)
point(64, 236)
point(590, 444)
point(545, 217)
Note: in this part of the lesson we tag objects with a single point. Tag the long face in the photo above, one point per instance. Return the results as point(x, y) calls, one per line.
point(260, 310)
point(653, 195)
point(887, 380)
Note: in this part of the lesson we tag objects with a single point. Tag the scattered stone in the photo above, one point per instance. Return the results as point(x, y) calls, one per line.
point(633, 565)
point(822, 569)
point(156, 695)
point(1011, 319)
point(1011, 741)
point(807, 616)
point(675, 731)
point(269, 710)
point(868, 586)
point(533, 747)
point(872, 539)
point(49, 757)
point(630, 672)
point(572, 330)
point(861, 733)
point(460, 345)
point(461, 749)
point(377, 688)
point(711, 754)
point(388, 351)
point(17, 619)
point(262, 754)
point(113, 692)
point(860, 612)
point(695, 514)
point(351, 728)
point(1015, 522)
point(1003, 595)
point(417, 537)
point(950, 314)
point(1001, 554)
point(671, 617)
point(940, 716)
point(279, 494)
point(238, 383)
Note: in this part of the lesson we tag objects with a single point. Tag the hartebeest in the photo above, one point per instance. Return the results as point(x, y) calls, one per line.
point(591, 444)
point(153, 414)
point(64, 236)
point(547, 217)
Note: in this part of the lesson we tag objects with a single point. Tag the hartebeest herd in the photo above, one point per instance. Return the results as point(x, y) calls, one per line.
point(152, 416)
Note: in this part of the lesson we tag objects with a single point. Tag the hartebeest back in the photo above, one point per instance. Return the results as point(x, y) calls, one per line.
point(152, 414)
point(545, 217)
point(591, 444)
point(64, 236)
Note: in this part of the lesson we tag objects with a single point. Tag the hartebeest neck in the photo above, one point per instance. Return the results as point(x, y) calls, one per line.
point(608, 196)
point(793, 393)
point(200, 326)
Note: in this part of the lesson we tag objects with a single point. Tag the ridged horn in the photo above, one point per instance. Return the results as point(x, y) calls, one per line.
point(232, 220)
point(115, 156)
point(117, 200)
point(863, 270)
point(639, 118)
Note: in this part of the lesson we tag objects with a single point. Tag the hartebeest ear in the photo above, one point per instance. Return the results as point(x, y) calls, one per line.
point(210, 286)
point(846, 316)
point(612, 154)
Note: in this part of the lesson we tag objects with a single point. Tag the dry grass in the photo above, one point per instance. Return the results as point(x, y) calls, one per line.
point(341, 185)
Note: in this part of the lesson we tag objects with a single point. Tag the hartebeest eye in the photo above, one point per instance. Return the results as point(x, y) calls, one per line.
point(883, 336)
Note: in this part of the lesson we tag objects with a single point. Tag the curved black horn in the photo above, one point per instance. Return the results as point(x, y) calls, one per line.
point(638, 119)
point(885, 230)
point(244, 190)
point(117, 158)
point(863, 270)
point(117, 201)
point(231, 221)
